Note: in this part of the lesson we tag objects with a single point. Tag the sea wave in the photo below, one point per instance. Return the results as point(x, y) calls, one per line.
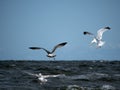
point(73, 75)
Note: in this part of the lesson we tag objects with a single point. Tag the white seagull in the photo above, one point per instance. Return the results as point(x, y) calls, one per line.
point(98, 39)
point(50, 54)
point(43, 78)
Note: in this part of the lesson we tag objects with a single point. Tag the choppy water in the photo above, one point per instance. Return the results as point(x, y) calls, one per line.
point(77, 75)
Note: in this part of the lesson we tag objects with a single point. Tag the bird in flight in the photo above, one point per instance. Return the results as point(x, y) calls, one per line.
point(43, 78)
point(98, 38)
point(50, 54)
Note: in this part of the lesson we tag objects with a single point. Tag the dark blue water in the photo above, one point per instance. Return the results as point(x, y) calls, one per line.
point(77, 75)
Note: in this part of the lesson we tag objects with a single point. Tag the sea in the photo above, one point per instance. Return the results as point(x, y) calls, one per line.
point(73, 75)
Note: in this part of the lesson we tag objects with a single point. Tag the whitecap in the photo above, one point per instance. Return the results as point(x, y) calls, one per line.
point(75, 87)
point(91, 76)
point(108, 87)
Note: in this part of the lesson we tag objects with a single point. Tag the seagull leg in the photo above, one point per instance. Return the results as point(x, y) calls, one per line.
point(49, 58)
point(54, 58)
point(98, 47)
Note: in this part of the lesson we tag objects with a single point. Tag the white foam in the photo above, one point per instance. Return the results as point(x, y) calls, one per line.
point(108, 87)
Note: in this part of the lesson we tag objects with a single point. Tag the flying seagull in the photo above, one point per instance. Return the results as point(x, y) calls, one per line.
point(50, 54)
point(98, 39)
point(43, 78)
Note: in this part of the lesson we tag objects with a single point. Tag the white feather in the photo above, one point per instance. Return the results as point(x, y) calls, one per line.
point(100, 33)
point(98, 39)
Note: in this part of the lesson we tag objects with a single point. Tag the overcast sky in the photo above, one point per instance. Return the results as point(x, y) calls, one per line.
point(45, 23)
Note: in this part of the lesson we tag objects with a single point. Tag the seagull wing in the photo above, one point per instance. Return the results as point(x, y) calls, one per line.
point(47, 76)
point(58, 46)
point(85, 33)
point(91, 34)
point(37, 48)
point(101, 31)
point(48, 52)
point(34, 48)
point(31, 74)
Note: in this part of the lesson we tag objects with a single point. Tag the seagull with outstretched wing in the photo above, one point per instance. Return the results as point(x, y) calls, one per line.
point(43, 78)
point(50, 54)
point(98, 39)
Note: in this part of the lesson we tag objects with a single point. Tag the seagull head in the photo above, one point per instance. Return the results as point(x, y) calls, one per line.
point(40, 74)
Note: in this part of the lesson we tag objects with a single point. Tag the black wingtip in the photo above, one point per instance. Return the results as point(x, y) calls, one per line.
point(64, 43)
point(34, 48)
point(107, 28)
point(85, 33)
